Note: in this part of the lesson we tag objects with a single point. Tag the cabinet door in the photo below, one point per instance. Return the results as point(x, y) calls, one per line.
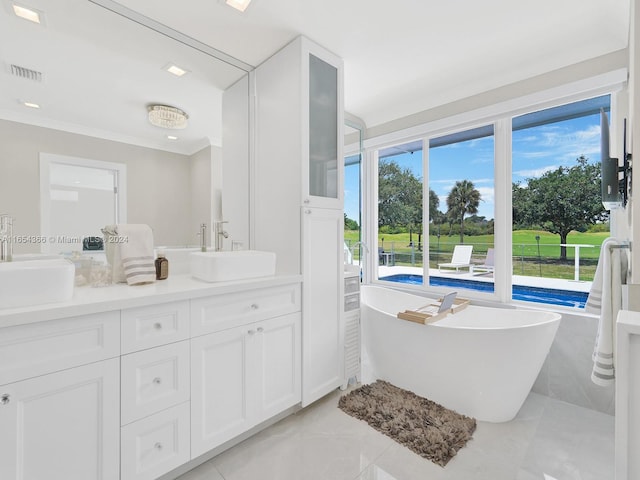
point(278, 358)
point(322, 331)
point(220, 374)
point(62, 426)
point(323, 183)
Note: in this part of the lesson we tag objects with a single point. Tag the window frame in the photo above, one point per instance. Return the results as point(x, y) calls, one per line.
point(499, 115)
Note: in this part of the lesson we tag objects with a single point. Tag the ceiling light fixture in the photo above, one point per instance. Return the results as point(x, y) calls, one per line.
point(165, 116)
point(26, 13)
point(31, 105)
point(172, 137)
point(238, 4)
point(176, 70)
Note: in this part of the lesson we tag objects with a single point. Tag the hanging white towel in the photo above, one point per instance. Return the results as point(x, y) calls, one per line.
point(605, 299)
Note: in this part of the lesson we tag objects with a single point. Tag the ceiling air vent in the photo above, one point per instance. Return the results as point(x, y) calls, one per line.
point(26, 73)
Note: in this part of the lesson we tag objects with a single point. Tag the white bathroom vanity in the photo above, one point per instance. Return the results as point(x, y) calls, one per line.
point(133, 382)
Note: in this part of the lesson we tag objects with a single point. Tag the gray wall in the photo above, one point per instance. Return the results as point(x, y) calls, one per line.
point(159, 184)
point(572, 73)
point(566, 373)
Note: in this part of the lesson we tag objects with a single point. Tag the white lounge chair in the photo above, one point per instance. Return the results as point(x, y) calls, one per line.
point(486, 267)
point(461, 258)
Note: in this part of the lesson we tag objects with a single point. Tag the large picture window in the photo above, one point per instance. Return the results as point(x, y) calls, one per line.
point(445, 222)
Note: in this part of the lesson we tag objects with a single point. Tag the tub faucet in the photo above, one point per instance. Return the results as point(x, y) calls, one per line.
point(6, 238)
point(220, 234)
point(203, 237)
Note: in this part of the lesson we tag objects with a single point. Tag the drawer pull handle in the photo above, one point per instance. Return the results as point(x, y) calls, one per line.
point(157, 326)
point(158, 446)
point(251, 332)
point(254, 306)
point(157, 380)
point(260, 329)
point(5, 399)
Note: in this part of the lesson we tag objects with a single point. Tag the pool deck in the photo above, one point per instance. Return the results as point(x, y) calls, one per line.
point(526, 281)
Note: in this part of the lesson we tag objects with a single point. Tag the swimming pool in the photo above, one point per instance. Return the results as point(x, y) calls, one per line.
point(549, 296)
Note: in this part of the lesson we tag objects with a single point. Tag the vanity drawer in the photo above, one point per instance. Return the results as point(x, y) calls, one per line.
point(351, 285)
point(154, 379)
point(154, 325)
point(220, 312)
point(39, 348)
point(155, 445)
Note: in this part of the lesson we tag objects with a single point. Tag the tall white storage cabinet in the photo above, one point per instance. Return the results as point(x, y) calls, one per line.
point(298, 195)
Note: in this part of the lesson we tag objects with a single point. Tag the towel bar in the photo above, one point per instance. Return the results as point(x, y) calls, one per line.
point(625, 245)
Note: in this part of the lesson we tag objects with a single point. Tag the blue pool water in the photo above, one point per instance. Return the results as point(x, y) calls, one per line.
point(549, 296)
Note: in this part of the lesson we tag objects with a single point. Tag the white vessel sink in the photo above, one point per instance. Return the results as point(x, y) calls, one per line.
point(237, 265)
point(35, 281)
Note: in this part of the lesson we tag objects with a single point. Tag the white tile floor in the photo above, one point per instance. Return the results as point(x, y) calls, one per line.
point(548, 440)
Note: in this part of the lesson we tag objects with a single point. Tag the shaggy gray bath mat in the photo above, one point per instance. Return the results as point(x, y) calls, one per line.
point(429, 429)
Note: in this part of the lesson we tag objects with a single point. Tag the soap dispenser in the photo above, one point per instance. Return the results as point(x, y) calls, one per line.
point(162, 266)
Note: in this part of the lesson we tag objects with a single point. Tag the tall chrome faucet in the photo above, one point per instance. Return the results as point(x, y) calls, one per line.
point(220, 234)
point(6, 238)
point(203, 237)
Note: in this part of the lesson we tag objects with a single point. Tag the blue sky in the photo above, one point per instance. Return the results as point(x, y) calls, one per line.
point(535, 151)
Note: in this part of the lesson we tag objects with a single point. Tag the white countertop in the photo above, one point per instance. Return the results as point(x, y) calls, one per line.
point(88, 300)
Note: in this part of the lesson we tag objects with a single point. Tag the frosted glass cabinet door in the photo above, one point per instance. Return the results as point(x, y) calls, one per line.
point(323, 129)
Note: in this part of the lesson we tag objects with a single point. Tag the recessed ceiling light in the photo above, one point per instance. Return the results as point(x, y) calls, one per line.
point(172, 137)
point(26, 13)
point(238, 4)
point(31, 105)
point(176, 70)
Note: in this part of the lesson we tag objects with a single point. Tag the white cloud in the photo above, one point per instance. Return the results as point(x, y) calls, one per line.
point(487, 194)
point(536, 172)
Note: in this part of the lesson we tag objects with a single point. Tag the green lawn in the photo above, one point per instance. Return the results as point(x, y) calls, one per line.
point(526, 258)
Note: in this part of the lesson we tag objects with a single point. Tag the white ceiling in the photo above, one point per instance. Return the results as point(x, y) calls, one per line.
point(400, 57)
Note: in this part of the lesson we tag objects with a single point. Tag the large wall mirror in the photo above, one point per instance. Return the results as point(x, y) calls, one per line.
point(79, 84)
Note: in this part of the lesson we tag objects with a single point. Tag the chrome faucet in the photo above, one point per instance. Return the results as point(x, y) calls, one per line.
point(6, 238)
point(220, 234)
point(203, 237)
point(353, 248)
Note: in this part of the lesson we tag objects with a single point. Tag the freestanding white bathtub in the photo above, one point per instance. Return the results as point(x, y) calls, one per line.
point(480, 362)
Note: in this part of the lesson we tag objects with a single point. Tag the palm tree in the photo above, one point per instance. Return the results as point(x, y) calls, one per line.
point(463, 199)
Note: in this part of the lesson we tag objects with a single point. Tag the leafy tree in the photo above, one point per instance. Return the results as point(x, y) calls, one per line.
point(350, 224)
point(434, 203)
point(462, 200)
point(522, 209)
point(561, 200)
point(399, 197)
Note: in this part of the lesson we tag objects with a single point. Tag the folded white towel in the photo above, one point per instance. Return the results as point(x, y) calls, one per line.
point(136, 251)
point(605, 299)
point(129, 249)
